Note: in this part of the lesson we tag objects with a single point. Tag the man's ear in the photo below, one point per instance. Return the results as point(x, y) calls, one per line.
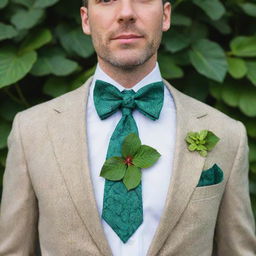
point(85, 20)
point(166, 16)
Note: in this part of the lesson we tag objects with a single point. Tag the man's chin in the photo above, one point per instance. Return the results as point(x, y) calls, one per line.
point(128, 62)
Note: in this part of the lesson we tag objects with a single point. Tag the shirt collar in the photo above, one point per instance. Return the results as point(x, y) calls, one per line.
point(153, 76)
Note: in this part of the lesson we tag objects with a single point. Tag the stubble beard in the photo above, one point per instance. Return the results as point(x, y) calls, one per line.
point(139, 58)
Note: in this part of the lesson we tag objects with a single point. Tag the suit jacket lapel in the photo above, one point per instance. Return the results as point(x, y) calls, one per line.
point(187, 169)
point(67, 131)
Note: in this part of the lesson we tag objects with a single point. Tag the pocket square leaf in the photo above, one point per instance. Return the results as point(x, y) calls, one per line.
point(128, 167)
point(202, 141)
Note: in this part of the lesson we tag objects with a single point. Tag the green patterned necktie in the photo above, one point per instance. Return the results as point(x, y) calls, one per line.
point(123, 209)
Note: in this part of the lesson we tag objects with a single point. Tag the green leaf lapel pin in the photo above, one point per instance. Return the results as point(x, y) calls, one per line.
point(202, 141)
point(128, 167)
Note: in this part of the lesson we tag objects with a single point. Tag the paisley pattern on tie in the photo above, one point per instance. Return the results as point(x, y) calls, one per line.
point(123, 209)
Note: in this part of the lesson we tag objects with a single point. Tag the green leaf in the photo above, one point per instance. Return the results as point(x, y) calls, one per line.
point(180, 20)
point(169, 69)
point(192, 147)
point(247, 102)
point(221, 25)
point(251, 74)
point(244, 46)
point(113, 169)
point(14, 67)
point(249, 9)
point(51, 61)
point(26, 19)
point(209, 59)
point(250, 126)
point(231, 93)
point(213, 8)
point(26, 3)
point(44, 3)
point(36, 40)
point(145, 157)
point(175, 41)
point(3, 3)
point(131, 145)
point(253, 169)
point(56, 86)
point(211, 140)
point(252, 152)
point(203, 153)
point(236, 67)
point(5, 129)
point(203, 134)
point(132, 177)
point(74, 41)
point(7, 31)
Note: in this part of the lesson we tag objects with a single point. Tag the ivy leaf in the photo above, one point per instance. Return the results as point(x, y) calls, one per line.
point(168, 67)
point(236, 67)
point(44, 3)
point(74, 41)
point(3, 3)
point(7, 31)
point(25, 19)
point(36, 40)
point(249, 9)
point(132, 177)
point(247, 102)
point(213, 8)
point(244, 46)
point(113, 169)
point(145, 157)
point(181, 20)
point(53, 61)
point(130, 145)
point(251, 74)
point(211, 140)
point(14, 66)
point(209, 59)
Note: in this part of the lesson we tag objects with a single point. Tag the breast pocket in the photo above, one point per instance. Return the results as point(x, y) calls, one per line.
point(208, 192)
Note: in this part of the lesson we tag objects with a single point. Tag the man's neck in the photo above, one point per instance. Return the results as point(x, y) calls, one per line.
point(128, 78)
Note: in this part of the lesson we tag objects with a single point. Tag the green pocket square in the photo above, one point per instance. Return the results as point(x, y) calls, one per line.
point(212, 176)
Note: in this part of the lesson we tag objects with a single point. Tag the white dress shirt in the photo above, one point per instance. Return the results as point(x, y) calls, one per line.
point(159, 134)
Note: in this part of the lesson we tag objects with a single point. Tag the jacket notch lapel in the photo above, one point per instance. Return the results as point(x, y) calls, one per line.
point(187, 168)
point(67, 131)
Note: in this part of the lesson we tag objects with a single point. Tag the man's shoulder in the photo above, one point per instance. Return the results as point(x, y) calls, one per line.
point(61, 103)
point(208, 117)
point(201, 109)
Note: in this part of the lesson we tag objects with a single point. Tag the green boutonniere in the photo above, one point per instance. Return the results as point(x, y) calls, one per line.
point(128, 167)
point(202, 141)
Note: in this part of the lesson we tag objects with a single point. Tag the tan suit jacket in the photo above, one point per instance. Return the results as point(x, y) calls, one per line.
point(48, 193)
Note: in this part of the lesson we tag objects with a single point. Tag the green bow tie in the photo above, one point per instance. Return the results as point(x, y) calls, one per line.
point(122, 209)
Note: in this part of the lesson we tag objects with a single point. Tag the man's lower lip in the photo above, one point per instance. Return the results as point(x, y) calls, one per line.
point(127, 40)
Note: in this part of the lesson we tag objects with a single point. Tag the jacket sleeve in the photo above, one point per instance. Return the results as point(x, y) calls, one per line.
point(235, 230)
point(18, 212)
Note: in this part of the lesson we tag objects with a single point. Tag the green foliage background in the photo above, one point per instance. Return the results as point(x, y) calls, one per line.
point(209, 53)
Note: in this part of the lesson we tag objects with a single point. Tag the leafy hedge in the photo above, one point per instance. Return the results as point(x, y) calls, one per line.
point(209, 53)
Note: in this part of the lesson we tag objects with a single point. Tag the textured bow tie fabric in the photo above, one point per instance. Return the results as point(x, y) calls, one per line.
point(123, 209)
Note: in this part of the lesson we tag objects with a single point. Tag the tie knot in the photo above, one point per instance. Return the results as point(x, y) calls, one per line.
point(128, 103)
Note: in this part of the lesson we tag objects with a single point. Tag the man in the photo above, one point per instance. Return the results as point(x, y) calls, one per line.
point(53, 190)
